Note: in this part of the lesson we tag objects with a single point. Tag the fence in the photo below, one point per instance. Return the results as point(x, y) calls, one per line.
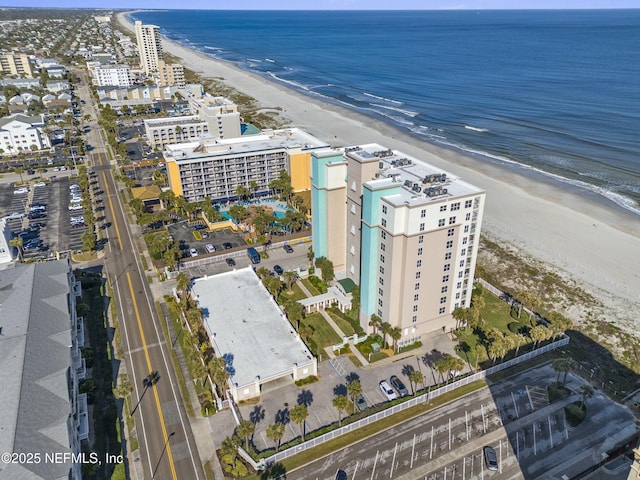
point(279, 456)
point(510, 300)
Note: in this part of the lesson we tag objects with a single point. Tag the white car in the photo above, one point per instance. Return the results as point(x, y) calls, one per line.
point(193, 252)
point(63, 168)
point(21, 191)
point(16, 215)
point(210, 248)
point(75, 200)
point(387, 391)
point(75, 206)
point(40, 184)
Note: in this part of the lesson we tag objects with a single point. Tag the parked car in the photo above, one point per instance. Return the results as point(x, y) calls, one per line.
point(199, 226)
point(361, 403)
point(210, 248)
point(231, 262)
point(193, 252)
point(490, 458)
point(278, 269)
point(387, 391)
point(21, 191)
point(341, 475)
point(399, 386)
point(40, 184)
point(34, 215)
point(16, 215)
point(75, 206)
point(288, 248)
point(227, 245)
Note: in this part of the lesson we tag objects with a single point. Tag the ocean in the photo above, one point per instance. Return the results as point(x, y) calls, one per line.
point(552, 92)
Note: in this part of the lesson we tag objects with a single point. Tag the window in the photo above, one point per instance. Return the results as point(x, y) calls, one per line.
point(458, 296)
point(383, 234)
point(422, 227)
point(353, 229)
point(464, 241)
point(452, 220)
point(384, 222)
point(417, 286)
point(415, 297)
point(447, 256)
point(382, 247)
point(455, 206)
point(353, 186)
point(414, 319)
point(467, 204)
point(423, 213)
point(381, 280)
point(353, 208)
point(445, 278)
point(443, 299)
point(441, 222)
point(447, 267)
point(444, 289)
point(415, 308)
point(418, 275)
point(451, 232)
point(381, 258)
point(418, 263)
point(441, 311)
point(379, 313)
point(460, 274)
point(380, 292)
point(459, 285)
point(382, 270)
point(380, 301)
point(461, 263)
point(420, 251)
point(384, 209)
point(443, 208)
point(467, 217)
point(449, 243)
point(421, 239)
point(466, 228)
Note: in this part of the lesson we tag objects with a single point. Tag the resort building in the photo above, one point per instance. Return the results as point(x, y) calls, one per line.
point(116, 75)
point(40, 367)
point(149, 46)
point(17, 64)
point(249, 330)
point(21, 133)
point(170, 74)
point(216, 116)
point(215, 167)
point(405, 231)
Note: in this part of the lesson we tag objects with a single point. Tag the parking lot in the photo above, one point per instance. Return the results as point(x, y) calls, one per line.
point(183, 233)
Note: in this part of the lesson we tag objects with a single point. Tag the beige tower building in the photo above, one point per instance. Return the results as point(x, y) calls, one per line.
point(149, 46)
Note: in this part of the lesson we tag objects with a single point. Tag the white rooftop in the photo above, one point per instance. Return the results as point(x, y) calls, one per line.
point(246, 325)
point(289, 138)
point(421, 182)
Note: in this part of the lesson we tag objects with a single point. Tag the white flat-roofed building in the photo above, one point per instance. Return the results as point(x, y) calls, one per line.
point(117, 75)
point(215, 168)
point(411, 235)
point(247, 327)
point(21, 133)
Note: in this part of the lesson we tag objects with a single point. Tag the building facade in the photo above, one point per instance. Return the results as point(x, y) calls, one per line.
point(41, 365)
point(21, 133)
point(215, 168)
point(411, 237)
point(117, 75)
point(170, 74)
point(149, 46)
point(16, 64)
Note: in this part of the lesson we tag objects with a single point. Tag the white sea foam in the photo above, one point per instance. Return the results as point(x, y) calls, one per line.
point(390, 100)
point(288, 82)
point(476, 129)
point(408, 113)
point(269, 60)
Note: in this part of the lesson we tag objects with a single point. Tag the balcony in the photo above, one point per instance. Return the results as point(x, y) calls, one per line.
point(80, 331)
point(83, 417)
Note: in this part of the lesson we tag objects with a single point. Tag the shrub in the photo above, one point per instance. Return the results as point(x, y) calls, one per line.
point(318, 283)
point(517, 327)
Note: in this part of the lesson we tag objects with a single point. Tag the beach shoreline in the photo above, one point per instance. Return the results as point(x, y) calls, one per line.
point(586, 237)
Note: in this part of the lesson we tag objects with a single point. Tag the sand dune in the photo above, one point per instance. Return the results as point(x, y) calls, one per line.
point(578, 234)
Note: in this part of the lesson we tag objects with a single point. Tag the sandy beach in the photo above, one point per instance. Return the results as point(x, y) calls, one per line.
point(586, 238)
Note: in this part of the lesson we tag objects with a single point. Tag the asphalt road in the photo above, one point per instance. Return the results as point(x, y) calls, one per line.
point(167, 448)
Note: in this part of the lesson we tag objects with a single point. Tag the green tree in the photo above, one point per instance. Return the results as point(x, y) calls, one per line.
point(17, 242)
point(395, 333)
point(354, 388)
point(375, 321)
point(415, 377)
point(538, 334)
point(88, 240)
point(245, 430)
point(586, 391)
point(385, 328)
point(299, 415)
point(290, 277)
point(275, 432)
point(182, 283)
point(341, 403)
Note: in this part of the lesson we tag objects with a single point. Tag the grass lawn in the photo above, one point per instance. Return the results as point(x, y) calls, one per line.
point(323, 334)
point(295, 294)
point(313, 290)
point(345, 326)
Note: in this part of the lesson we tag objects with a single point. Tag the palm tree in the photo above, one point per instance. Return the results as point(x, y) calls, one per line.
point(415, 377)
point(586, 391)
point(354, 388)
point(245, 430)
point(290, 277)
point(564, 366)
point(375, 321)
point(17, 242)
point(460, 314)
point(395, 333)
point(122, 390)
point(298, 415)
point(275, 432)
point(340, 402)
point(385, 328)
point(441, 366)
point(182, 282)
point(518, 339)
point(538, 334)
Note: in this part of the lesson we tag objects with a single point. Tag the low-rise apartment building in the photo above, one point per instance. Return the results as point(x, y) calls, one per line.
point(21, 133)
point(170, 74)
point(16, 64)
point(407, 232)
point(115, 75)
point(215, 168)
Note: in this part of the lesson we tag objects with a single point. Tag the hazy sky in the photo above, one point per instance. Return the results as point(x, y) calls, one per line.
point(328, 4)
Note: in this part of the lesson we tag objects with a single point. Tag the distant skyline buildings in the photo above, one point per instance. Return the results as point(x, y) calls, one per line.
point(334, 5)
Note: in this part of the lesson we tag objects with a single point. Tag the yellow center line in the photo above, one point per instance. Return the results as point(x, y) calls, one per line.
point(113, 213)
point(155, 390)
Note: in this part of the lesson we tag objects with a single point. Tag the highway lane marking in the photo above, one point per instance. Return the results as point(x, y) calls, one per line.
point(113, 213)
point(155, 390)
point(140, 349)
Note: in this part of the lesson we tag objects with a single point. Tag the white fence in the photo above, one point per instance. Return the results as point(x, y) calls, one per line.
point(279, 456)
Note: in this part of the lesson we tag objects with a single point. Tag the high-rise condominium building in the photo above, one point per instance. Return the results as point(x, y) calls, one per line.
point(149, 46)
point(405, 231)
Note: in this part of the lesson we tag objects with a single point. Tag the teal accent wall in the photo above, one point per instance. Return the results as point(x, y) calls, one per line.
point(319, 220)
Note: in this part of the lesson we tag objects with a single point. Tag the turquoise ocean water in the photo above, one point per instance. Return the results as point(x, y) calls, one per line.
point(552, 92)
